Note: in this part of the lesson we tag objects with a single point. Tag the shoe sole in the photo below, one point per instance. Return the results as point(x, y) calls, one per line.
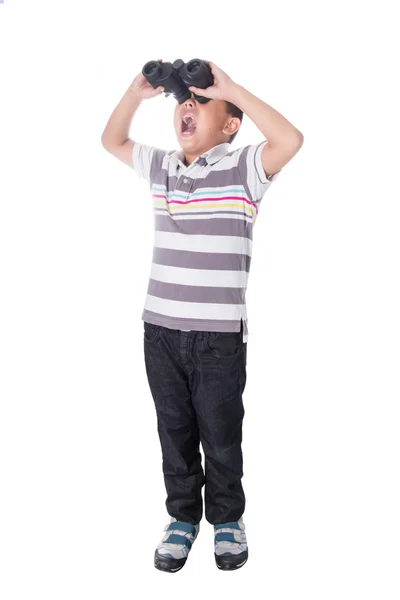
point(232, 562)
point(168, 565)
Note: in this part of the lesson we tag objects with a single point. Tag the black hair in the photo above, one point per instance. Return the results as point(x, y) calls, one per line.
point(234, 111)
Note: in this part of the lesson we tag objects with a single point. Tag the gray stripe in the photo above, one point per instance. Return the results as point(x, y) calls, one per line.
point(213, 226)
point(214, 179)
point(156, 163)
point(246, 217)
point(201, 260)
point(194, 324)
point(243, 171)
point(196, 293)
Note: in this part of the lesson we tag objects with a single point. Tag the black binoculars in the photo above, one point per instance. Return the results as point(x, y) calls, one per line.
point(176, 77)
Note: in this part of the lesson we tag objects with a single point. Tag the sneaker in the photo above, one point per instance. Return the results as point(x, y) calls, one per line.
point(230, 545)
point(172, 552)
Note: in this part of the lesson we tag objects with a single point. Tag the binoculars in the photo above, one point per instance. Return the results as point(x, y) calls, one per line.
point(176, 77)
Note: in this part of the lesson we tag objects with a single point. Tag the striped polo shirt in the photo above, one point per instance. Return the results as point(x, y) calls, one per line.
point(204, 216)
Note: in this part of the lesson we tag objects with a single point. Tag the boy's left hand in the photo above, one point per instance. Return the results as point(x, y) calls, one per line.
point(222, 88)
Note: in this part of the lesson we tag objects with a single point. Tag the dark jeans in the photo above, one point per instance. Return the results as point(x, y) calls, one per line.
point(197, 379)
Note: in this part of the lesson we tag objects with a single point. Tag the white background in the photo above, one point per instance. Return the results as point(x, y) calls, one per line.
point(82, 494)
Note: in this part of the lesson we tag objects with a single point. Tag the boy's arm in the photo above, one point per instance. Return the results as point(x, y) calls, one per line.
point(284, 139)
point(115, 137)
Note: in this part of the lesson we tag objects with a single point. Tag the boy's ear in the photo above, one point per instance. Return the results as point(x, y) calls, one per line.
point(232, 126)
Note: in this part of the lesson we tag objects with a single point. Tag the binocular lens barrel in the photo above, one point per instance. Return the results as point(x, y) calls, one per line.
point(193, 66)
point(152, 69)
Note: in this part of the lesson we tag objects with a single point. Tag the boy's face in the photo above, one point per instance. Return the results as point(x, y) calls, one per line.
point(211, 126)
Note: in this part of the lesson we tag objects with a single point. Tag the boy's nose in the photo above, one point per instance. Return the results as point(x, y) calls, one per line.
point(190, 102)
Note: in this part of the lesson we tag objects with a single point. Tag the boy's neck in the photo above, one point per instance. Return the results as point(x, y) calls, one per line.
point(189, 158)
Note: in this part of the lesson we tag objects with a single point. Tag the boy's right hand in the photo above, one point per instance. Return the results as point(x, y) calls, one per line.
point(141, 88)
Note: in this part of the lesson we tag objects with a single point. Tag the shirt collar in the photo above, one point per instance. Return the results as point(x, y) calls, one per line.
point(211, 156)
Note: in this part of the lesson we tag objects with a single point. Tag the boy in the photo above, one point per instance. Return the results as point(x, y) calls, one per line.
point(205, 200)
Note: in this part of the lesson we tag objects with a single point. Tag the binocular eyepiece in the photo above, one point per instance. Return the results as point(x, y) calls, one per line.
point(176, 77)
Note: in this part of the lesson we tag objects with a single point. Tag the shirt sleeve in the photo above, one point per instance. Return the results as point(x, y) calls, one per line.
point(147, 160)
point(252, 173)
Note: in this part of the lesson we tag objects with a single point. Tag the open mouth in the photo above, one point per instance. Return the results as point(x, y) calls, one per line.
point(188, 125)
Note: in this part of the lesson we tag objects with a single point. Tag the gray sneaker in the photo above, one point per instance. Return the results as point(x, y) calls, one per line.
point(230, 545)
point(173, 550)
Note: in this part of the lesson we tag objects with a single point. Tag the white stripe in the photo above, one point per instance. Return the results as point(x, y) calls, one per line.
point(213, 191)
point(209, 278)
point(194, 310)
point(203, 243)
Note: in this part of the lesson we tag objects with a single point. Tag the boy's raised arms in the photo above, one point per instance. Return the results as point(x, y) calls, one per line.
point(283, 139)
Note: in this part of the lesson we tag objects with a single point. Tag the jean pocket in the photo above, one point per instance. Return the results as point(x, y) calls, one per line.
point(224, 344)
point(151, 332)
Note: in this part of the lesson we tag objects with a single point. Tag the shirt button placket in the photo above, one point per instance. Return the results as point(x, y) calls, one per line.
point(187, 186)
